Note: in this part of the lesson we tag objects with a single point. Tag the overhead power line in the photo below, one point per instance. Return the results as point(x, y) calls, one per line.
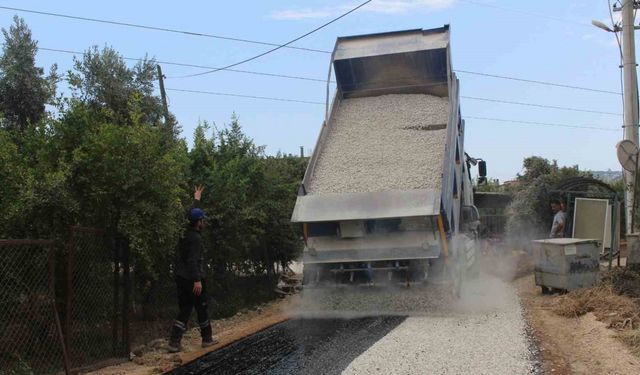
point(191, 33)
point(157, 28)
point(275, 75)
point(195, 66)
point(465, 97)
point(539, 123)
point(555, 84)
point(280, 46)
point(540, 105)
point(321, 103)
point(539, 82)
point(246, 96)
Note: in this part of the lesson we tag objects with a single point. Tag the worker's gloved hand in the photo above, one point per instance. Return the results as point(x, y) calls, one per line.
point(197, 288)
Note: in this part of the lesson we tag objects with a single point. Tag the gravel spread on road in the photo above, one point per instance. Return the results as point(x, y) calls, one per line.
point(485, 334)
point(388, 142)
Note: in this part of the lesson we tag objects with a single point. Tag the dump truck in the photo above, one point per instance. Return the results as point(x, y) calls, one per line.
point(387, 195)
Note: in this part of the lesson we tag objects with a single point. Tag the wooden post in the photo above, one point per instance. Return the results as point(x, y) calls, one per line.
point(163, 94)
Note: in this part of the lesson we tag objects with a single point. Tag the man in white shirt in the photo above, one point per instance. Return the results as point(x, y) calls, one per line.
point(559, 219)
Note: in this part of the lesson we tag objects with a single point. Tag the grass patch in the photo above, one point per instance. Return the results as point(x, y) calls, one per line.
point(632, 339)
point(617, 311)
point(614, 301)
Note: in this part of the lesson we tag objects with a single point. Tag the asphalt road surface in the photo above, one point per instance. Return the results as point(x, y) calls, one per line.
point(482, 333)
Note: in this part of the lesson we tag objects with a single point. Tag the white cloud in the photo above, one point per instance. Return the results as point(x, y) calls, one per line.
point(376, 6)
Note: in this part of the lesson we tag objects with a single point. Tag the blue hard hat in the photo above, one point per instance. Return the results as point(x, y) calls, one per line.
point(196, 214)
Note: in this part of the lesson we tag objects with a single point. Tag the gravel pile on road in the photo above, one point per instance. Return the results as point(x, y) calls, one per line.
point(373, 301)
point(484, 334)
point(388, 142)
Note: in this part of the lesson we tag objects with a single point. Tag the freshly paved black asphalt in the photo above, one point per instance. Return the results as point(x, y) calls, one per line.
point(297, 346)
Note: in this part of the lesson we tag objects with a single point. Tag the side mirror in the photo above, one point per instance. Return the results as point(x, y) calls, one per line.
point(482, 168)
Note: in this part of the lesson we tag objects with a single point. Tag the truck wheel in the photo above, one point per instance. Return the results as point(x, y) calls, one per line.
point(457, 281)
point(309, 275)
point(545, 290)
point(473, 272)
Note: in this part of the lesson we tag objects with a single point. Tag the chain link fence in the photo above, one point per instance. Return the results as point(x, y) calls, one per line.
point(154, 306)
point(94, 323)
point(31, 340)
point(107, 304)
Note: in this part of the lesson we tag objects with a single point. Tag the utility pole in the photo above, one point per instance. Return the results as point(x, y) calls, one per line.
point(630, 102)
point(163, 95)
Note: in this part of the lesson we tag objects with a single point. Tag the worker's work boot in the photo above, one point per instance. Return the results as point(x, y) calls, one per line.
point(207, 334)
point(177, 330)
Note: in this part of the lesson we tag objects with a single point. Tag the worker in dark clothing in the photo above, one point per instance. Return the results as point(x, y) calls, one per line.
point(190, 279)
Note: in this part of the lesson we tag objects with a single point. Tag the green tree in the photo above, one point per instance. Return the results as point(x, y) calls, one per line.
point(529, 216)
point(102, 80)
point(124, 180)
point(24, 90)
point(249, 199)
point(13, 174)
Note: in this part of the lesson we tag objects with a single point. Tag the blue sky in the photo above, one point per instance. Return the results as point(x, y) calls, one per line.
point(538, 40)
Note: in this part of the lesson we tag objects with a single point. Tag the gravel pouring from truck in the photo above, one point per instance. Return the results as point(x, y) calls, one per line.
point(387, 195)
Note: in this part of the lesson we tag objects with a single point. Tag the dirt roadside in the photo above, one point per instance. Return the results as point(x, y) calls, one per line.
point(580, 345)
point(154, 358)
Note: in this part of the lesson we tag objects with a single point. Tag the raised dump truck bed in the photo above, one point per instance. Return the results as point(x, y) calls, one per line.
point(386, 183)
point(383, 143)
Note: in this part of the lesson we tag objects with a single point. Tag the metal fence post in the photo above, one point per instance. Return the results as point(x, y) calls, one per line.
point(126, 295)
point(116, 295)
point(52, 290)
point(69, 302)
point(614, 216)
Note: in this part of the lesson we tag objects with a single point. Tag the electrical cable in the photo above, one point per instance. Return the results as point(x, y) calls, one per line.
point(539, 82)
point(539, 123)
point(324, 80)
point(540, 105)
point(244, 96)
point(280, 46)
point(157, 28)
point(321, 103)
point(274, 44)
point(615, 32)
point(194, 66)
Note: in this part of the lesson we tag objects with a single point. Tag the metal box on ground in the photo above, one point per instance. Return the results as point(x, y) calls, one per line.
point(633, 250)
point(566, 263)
